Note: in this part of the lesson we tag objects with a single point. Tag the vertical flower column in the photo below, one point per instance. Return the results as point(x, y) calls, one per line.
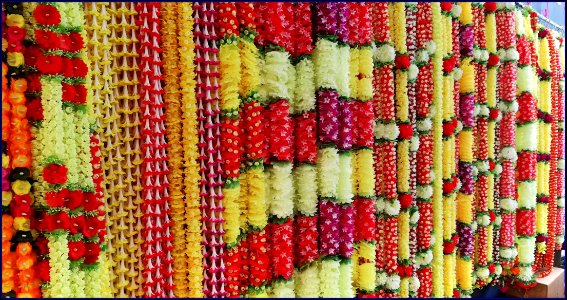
point(506, 43)
point(254, 149)
point(402, 64)
point(411, 41)
point(493, 119)
point(157, 245)
point(306, 250)
point(526, 147)
point(189, 126)
point(209, 147)
point(231, 135)
point(437, 205)
point(450, 122)
point(363, 167)
point(560, 214)
point(325, 58)
point(424, 158)
point(482, 112)
point(279, 84)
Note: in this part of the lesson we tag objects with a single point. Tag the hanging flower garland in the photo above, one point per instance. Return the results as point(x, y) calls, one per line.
point(560, 229)
point(426, 48)
point(506, 43)
point(157, 244)
point(450, 129)
point(385, 135)
point(363, 164)
point(483, 217)
point(306, 248)
point(209, 147)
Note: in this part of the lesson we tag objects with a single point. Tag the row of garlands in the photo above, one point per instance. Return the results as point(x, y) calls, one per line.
point(279, 149)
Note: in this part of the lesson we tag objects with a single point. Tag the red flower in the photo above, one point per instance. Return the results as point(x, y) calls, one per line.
point(493, 114)
point(55, 174)
point(489, 7)
point(90, 202)
point(456, 293)
point(92, 225)
point(448, 247)
point(92, 251)
point(491, 268)
point(80, 69)
point(31, 54)
point(493, 60)
point(35, 110)
point(68, 92)
point(21, 209)
point(491, 165)
point(15, 34)
point(34, 85)
point(406, 131)
point(449, 64)
point(42, 245)
point(67, 69)
point(542, 33)
point(64, 42)
point(23, 199)
point(102, 235)
point(45, 14)
point(77, 42)
point(446, 6)
point(42, 269)
point(56, 221)
point(448, 128)
point(46, 40)
point(76, 250)
point(56, 199)
point(80, 94)
point(492, 216)
point(405, 200)
point(402, 62)
point(74, 199)
point(77, 223)
point(50, 65)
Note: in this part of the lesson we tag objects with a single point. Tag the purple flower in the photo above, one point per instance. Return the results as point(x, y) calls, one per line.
point(342, 28)
point(465, 244)
point(467, 41)
point(345, 125)
point(5, 182)
point(540, 238)
point(329, 227)
point(466, 109)
point(346, 230)
point(326, 18)
point(466, 176)
point(328, 109)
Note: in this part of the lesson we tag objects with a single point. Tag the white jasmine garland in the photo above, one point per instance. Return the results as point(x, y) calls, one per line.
point(430, 46)
point(414, 283)
point(414, 144)
point(432, 110)
point(385, 53)
point(393, 282)
point(422, 56)
point(378, 129)
point(526, 274)
point(424, 125)
point(512, 54)
point(484, 110)
point(391, 131)
point(508, 204)
point(380, 204)
point(497, 169)
point(474, 171)
point(502, 54)
point(381, 278)
point(508, 153)
point(483, 220)
point(476, 110)
point(484, 55)
point(474, 226)
point(459, 127)
point(482, 165)
point(527, 194)
point(561, 164)
point(392, 208)
point(526, 79)
point(498, 269)
point(527, 137)
point(456, 10)
point(342, 65)
point(483, 273)
point(508, 252)
point(526, 249)
point(498, 220)
point(424, 191)
point(281, 190)
point(433, 239)
point(414, 218)
point(559, 239)
point(457, 73)
point(510, 5)
point(477, 54)
point(412, 72)
point(432, 175)
point(561, 202)
point(458, 186)
point(500, 5)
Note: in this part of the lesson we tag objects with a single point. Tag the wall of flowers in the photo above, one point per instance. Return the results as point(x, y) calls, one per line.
point(280, 149)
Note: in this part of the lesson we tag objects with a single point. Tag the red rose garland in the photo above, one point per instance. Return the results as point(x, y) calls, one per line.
point(157, 245)
point(209, 140)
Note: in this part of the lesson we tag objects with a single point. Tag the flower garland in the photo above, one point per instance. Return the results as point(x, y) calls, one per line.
point(385, 135)
point(437, 194)
point(560, 213)
point(450, 124)
point(157, 238)
point(527, 135)
point(305, 173)
point(254, 268)
point(506, 43)
point(209, 147)
point(483, 217)
point(426, 48)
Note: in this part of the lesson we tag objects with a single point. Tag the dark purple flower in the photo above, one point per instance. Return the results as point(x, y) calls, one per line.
point(467, 41)
point(329, 227)
point(345, 125)
point(465, 244)
point(466, 176)
point(342, 18)
point(346, 230)
point(467, 110)
point(326, 18)
point(328, 109)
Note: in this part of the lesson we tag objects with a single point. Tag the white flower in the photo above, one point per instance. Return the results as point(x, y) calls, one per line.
point(456, 10)
point(500, 5)
point(477, 54)
point(458, 186)
point(512, 54)
point(414, 144)
point(474, 171)
point(392, 208)
point(502, 54)
point(484, 111)
point(508, 204)
point(422, 56)
point(482, 165)
point(526, 274)
point(527, 194)
point(433, 239)
point(476, 110)
point(412, 72)
point(414, 218)
point(526, 247)
point(424, 125)
point(559, 239)
point(561, 164)
point(484, 55)
point(424, 191)
point(483, 220)
point(498, 220)
point(385, 53)
point(430, 45)
point(393, 282)
point(561, 202)
point(510, 5)
point(432, 110)
point(380, 205)
point(508, 252)
point(414, 283)
point(474, 226)
point(381, 278)
point(457, 73)
point(509, 153)
point(431, 175)
point(483, 273)
point(391, 131)
point(497, 169)
point(498, 116)
point(459, 127)
point(498, 269)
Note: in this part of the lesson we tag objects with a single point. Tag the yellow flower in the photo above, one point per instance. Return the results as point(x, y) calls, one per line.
point(22, 224)
point(15, 20)
point(256, 197)
point(15, 59)
point(403, 166)
point(464, 208)
point(465, 145)
point(464, 277)
point(6, 198)
point(229, 56)
point(231, 214)
point(466, 17)
point(21, 187)
point(467, 80)
point(365, 172)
